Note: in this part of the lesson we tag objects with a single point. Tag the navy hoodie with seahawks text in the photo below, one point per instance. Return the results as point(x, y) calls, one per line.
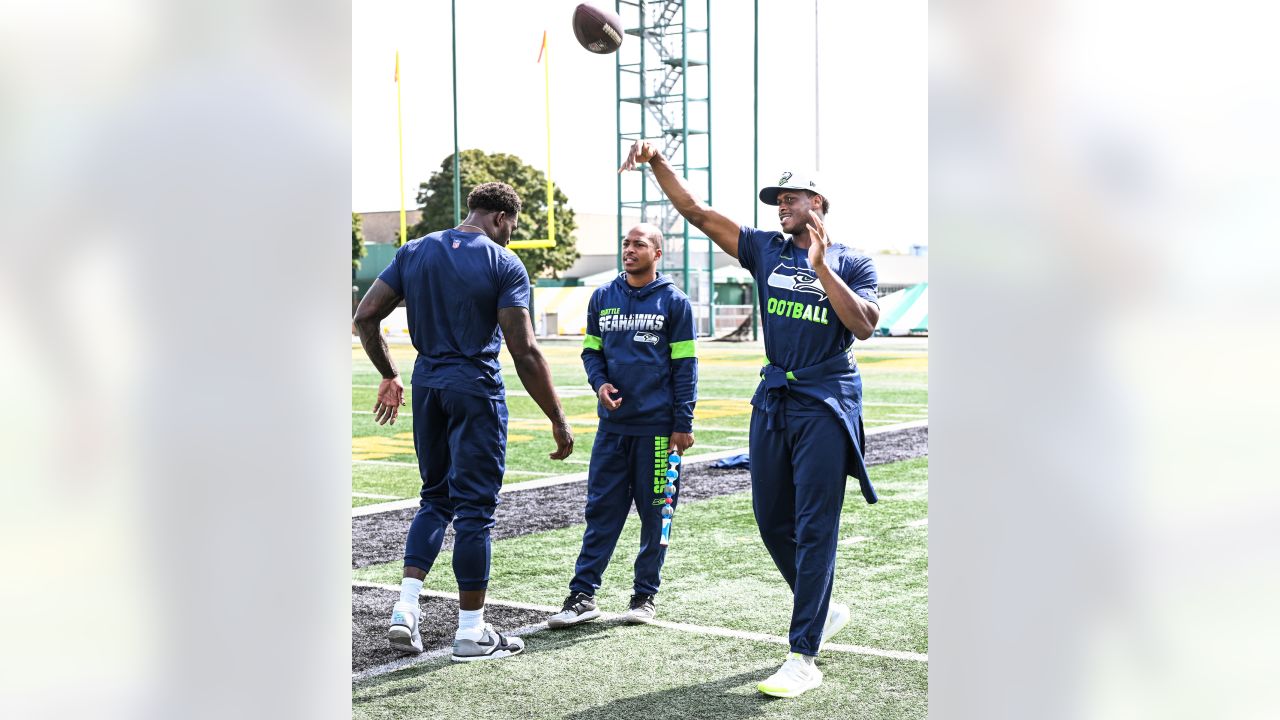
point(641, 340)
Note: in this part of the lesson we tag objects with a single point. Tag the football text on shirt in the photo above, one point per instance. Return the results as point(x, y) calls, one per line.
point(797, 310)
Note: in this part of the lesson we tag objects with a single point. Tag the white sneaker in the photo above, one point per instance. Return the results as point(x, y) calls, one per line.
point(491, 645)
point(838, 616)
point(403, 633)
point(578, 607)
point(642, 610)
point(795, 676)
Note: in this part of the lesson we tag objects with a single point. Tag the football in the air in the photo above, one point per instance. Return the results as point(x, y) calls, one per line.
point(599, 31)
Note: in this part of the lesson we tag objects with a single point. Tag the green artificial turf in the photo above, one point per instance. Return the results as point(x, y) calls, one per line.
point(606, 671)
point(718, 573)
point(895, 387)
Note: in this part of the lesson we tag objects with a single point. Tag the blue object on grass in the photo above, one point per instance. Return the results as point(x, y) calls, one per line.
point(733, 461)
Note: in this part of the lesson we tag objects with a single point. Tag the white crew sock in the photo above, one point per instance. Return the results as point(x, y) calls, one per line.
point(410, 588)
point(470, 623)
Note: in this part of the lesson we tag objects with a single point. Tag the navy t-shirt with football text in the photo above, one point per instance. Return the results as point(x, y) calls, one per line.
point(800, 326)
point(454, 283)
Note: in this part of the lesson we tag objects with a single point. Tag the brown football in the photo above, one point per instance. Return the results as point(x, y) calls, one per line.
point(599, 31)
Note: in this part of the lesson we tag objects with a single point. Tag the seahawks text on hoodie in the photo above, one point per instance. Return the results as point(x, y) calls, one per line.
point(641, 340)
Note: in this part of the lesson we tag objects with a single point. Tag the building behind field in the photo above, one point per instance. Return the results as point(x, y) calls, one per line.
point(560, 304)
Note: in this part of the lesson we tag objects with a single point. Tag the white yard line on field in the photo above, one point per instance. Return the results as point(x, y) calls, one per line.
point(923, 422)
point(392, 463)
point(561, 391)
point(668, 625)
point(777, 640)
point(891, 404)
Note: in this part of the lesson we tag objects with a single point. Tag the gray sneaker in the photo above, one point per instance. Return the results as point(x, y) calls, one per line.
point(491, 646)
point(579, 607)
point(642, 610)
point(403, 635)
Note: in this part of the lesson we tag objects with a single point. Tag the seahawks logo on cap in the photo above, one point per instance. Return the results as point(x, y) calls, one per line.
point(785, 177)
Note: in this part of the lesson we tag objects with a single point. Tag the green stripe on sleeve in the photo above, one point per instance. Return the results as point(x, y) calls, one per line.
point(683, 349)
point(591, 342)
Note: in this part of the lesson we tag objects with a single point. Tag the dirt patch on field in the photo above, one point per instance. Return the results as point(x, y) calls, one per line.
point(371, 613)
point(380, 538)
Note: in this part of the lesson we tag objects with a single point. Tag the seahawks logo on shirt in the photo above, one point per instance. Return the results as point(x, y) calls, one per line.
point(646, 337)
point(790, 277)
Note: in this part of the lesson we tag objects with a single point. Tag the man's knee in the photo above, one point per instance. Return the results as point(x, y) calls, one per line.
point(471, 519)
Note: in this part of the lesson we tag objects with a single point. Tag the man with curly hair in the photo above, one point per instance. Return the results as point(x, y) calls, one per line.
point(464, 292)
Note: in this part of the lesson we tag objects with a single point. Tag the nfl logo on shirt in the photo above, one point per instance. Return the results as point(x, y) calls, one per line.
point(456, 243)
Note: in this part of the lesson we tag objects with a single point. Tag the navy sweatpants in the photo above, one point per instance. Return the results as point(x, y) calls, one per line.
point(797, 492)
point(625, 470)
point(461, 441)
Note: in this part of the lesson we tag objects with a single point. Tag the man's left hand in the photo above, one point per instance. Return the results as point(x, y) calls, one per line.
point(818, 242)
point(680, 442)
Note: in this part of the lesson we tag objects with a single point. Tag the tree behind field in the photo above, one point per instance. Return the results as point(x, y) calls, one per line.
point(357, 242)
point(435, 197)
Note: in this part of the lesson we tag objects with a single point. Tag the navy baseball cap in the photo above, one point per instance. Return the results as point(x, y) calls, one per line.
point(791, 181)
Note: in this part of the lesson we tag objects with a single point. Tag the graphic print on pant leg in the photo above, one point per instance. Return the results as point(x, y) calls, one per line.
point(659, 465)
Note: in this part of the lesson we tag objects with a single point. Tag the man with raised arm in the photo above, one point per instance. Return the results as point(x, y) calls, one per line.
point(806, 435)
point(464, 292)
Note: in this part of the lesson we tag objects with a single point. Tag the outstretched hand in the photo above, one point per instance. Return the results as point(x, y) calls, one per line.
point(642, 151)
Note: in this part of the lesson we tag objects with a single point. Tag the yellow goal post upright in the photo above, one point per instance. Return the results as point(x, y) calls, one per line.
point(544, 57)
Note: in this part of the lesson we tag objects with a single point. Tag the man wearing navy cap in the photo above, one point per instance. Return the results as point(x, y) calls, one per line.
point(806, 423)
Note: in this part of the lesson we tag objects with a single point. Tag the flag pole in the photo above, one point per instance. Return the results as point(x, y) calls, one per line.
point(457, 181)
point(400, 138)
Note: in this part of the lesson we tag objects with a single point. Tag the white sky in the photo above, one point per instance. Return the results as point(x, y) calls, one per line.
point(873, 104)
